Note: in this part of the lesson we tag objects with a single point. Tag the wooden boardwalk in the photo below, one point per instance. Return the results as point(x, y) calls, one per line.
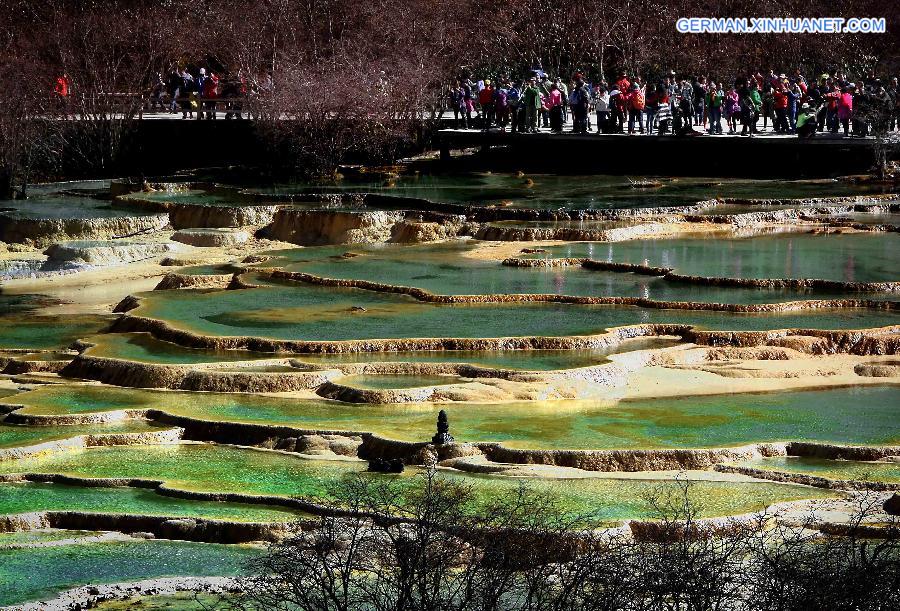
point(767, 154)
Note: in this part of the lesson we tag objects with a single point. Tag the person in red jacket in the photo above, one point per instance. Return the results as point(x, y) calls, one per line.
point(486, 99)
point(622, 82)
point(780, 103)
point(623, 103)
point(635, 108)
point(63, 89)
point(209, 93)
point(63, 84)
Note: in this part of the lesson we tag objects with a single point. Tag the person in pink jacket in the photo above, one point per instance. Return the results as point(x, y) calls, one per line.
point(845, 108)
point(555, 104)
point(732, 109)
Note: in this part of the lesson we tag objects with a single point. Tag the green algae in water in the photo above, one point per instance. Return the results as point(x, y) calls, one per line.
point(197, 467)
point(22, 303)
point(831, 469)
point(145, 348)
point(444, 268)
point(527, 360)
point(606, 500)
point(303, 312)
point(60, 206)
point(47, 356)
point(43, 572)
point(186, 196)
point(850, 257)
point(182, 601)
point(44, 535)
point(548, 191)
point(17, 435)
point(230, 469)
point(78, 399)
point(197, 197)
point(45, 332)
point(388, 381)
point(27, 496)
point(853, 415)
point(847, 415)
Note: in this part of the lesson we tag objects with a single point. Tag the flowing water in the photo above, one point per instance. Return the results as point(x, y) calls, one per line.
point(831, 469)
point(854, 415)
point(38, 564)
point(211, 468)
point(306, 312)
point(39, 573)
point(853, 257)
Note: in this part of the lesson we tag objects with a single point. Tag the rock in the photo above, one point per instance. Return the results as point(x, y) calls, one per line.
point(127, 304)
point(211, 237)
point(180, 281)
point(892, 505)
point(345, 446)
point(185, 216)
point(308, 444)
point(319, 227)
point(109, 252)
point(183, 261)
point(17, 229)
point(380, 465)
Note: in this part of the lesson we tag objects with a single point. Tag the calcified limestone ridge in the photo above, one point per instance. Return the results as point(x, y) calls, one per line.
point(368, 445)
point(42, 232)
point(670, 275)
point(865, 341)
point(89, 597)
point(378, 218)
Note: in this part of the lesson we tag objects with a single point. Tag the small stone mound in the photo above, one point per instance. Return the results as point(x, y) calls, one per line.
point(892, 505)
point(878, 369)
point(182, 261)
point(211, 237)
point(180, 281)
point(321, 445)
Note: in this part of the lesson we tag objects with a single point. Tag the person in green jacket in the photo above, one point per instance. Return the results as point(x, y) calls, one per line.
point(715, 97)
point(750, 105)
point(532, 99)
point(806, 122)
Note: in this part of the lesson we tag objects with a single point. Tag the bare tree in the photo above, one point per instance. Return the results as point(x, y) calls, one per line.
point(427, 542)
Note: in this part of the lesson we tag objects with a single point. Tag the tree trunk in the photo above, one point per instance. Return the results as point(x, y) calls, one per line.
point(6, 183)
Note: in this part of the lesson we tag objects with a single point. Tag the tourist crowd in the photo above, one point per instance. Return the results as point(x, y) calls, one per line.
point(790, 104)
point(199, 91)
